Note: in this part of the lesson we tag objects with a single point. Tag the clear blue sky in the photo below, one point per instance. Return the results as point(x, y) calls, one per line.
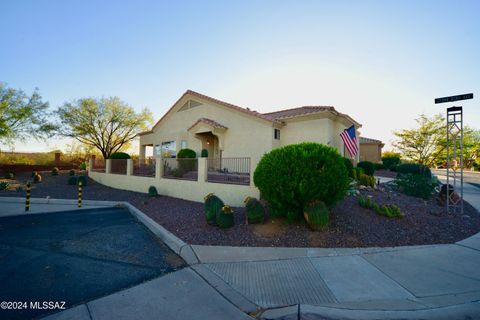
point(382, 62)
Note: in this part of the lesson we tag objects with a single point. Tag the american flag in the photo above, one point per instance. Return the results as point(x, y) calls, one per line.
point(350, 140)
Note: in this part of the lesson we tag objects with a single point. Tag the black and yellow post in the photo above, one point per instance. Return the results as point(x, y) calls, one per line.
point(27, 199)
point(80, 194)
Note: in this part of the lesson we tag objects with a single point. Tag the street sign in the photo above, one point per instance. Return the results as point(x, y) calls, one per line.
point(454, 98)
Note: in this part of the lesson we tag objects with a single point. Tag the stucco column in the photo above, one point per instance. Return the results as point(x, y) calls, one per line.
point(108, 166)
point(129, 167)
point(90, 165)
point(202, 169)
point(158, 168)
point(142, 152)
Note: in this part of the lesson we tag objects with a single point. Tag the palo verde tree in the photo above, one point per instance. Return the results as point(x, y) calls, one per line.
point(108, 124)
point(23, 115)
point(425, 143)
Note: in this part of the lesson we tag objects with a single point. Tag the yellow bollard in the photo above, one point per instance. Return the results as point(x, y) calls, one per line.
point(27, 200)
point(80, 194)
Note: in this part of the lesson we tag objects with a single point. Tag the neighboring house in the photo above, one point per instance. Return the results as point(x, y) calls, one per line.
point(370, 150)
point(199, 122)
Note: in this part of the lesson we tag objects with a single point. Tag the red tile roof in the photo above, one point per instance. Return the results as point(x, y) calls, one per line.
point(300, 111)
point(369, 140)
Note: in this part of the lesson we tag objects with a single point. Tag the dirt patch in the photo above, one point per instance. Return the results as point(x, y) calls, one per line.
point(273, 228)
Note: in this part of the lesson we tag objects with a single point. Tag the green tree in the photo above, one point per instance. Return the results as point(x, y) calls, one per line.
point(471, 148)
point(23, 115)
point(425, 143)
point(107, 124)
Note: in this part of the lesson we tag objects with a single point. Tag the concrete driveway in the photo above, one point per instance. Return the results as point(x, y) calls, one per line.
point(75, 256)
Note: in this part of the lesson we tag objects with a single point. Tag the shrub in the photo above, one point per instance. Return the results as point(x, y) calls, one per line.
point(357, 172)
point(292, 176)
point(380, 166)
point(37, 178)
point(83, 180)
point(213, 205)
point(34, 173)
point(365, 202)
point(55, 171)
point(255, 210)
point(71, 172)
point(415, 185)
point(390, 159)
point(83, 166)
point(3, 185)
point(73, 181)
point(316, 215)
point(366, 180)
point(204, 153)
point(10, 175)
point(118, 155)
point(186, 153)
point(224, 217)
point(152, 191)
point(349, 166)
point(414, 168)
point(367, 166)
point(388, 210)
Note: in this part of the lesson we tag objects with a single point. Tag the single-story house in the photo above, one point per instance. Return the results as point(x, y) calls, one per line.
point(371, 150)
point(198, 122)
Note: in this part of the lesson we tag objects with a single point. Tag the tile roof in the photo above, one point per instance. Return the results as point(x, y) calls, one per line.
point(300, 111)
point(369, 140)
point(210, 122)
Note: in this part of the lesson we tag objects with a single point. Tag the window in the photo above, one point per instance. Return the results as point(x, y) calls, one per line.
point(276, 134)
point(169, 149)
point(183, 144)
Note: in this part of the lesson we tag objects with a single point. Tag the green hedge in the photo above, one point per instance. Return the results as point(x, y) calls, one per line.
point(367, 166)
point(186, 153)
point(390, 161)
point(414, 168)
point(293, 176)
point(119, 155)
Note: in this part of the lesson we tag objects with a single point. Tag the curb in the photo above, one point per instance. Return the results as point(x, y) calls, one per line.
point(59, 201)
point(469, 311)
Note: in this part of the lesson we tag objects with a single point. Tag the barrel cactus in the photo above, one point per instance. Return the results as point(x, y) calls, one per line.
point(37, 178)
point(213, 205)
point(255, 210)
point(316, 215)
point(225, 217)
point(152, 191)
point(83, 180)
point(55, 171)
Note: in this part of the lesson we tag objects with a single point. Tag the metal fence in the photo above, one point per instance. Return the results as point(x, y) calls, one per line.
point(175, 168)
point(98, 165)
point(144, 167)
point(229, 170)
point(118, 166)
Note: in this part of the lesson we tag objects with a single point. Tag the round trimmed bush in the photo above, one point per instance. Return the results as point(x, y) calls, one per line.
point(73, 181)
point(119, 155)
point(186, 153)
point(83, 180)
point(367, 166)
point(204, 153)
point(294, 175)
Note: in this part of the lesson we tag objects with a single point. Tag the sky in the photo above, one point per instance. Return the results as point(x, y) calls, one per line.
point(381, 62)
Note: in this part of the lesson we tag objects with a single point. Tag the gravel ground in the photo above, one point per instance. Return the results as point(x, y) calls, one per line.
point(351, 226)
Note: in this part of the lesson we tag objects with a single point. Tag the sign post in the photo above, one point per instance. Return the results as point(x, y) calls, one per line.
point(454, 202)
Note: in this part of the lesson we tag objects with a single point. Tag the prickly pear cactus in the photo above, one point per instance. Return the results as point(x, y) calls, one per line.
point(225, 217)
point(213, 205)
point(255, 210)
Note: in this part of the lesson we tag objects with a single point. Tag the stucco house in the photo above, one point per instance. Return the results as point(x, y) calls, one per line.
point(371, 150)
point(197, 121)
